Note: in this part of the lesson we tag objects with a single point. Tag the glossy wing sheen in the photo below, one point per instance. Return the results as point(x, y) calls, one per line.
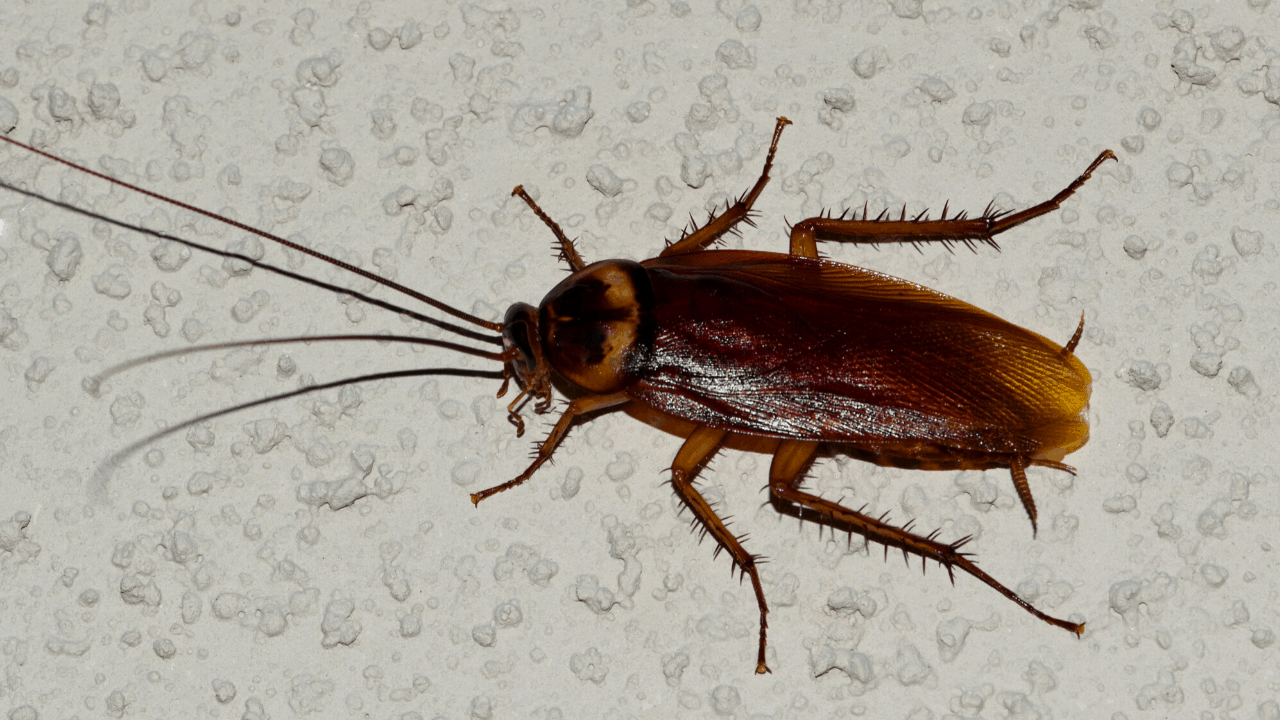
point(790, 347)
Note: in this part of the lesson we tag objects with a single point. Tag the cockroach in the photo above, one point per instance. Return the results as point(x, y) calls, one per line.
point(803, 353)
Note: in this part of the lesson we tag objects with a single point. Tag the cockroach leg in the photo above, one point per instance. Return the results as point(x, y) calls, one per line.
point(568, 251)
point(1018, 468)
point(784, 476)
point(697, 449)
point(959, 228)
point(717, 225)
point(577, 406)
point(804, 242)
point(1053, 203)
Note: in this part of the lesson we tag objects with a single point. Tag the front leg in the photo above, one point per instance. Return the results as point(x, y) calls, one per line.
point(578, 406)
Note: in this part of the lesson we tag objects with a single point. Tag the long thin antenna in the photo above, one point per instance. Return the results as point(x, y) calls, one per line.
point(259, 264)
point(104, 470)
point(96, 380)
point(494, 326)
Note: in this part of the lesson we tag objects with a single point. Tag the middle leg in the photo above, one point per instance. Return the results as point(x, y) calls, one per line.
point(699, 238)
point(697, 449)
point(577, 406)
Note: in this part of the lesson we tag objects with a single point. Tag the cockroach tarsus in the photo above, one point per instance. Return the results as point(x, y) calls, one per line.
point(812, 355)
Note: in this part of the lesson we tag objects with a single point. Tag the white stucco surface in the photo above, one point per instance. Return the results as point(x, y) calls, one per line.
point(320, 556)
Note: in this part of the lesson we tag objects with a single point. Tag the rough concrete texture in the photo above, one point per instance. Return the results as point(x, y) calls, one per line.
point(320, 556)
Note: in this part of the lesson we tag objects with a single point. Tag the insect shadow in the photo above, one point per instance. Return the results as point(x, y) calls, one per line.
point(807, 355)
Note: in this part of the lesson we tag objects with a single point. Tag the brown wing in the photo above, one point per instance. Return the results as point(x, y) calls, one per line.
point(785, 346)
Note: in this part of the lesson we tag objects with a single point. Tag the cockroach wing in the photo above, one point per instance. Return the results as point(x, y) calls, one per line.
point(790, 347)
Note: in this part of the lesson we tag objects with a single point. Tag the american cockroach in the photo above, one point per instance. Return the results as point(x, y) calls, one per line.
point(804, 353)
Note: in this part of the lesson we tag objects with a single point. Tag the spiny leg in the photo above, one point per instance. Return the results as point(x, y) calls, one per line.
point(958, 228)
point(568, 252)
point(577, 406)
point(1018, 468)
point(1056, 201)
point(793, 456)
point(697, 449)
point(716, 226)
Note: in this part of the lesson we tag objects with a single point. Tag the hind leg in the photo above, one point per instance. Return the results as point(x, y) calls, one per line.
point(958, 228)
point(789, 464)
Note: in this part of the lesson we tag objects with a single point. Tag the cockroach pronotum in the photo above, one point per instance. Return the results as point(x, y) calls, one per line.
point(803, 353)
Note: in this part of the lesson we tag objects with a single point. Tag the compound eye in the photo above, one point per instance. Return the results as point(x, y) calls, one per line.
point(525, 362)
point(517, 334)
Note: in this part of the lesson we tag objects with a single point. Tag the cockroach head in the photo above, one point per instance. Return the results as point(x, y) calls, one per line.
point(595, 329)
point(521, 344)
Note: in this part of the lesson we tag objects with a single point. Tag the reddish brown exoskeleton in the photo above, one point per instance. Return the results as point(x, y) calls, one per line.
point(808, 354)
